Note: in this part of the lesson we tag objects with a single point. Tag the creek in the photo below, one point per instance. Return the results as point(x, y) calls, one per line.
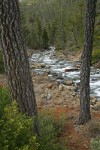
point(62, 70)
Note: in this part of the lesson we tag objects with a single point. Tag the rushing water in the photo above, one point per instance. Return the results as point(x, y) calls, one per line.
point(58, 68)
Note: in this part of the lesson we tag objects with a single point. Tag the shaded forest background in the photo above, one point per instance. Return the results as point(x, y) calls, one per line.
point(56, 22)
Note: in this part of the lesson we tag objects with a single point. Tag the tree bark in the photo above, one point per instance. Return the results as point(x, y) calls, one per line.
point(85, 115)
point(16, 59)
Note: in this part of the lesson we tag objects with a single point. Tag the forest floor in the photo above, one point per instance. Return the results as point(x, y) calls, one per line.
point(63, 101)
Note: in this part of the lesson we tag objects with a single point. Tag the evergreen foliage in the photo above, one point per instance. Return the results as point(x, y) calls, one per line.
point(63, 21)
point(95, 144)
point(15, 132)
point(50, 128)
point(95, 56)
point(4, 99)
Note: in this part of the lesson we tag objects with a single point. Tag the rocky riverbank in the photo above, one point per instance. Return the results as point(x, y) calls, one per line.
point(52, 94)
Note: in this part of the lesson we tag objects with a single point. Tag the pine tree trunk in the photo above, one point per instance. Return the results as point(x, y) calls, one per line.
point(16, 60)
point(85, 115)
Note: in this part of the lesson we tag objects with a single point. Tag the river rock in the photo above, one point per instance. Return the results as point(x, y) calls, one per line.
point(33, 66)
point(60, 82)
point(93, 101)
point(59, 77)
point(50, 85)
point(49, 96)
point(93, 79)
point(48, 71)
point(61, 87)
point(42, 65)
point(69, 82)
point(71, 69)
point(97, 106)
point(37, 65)
point(76, 88)
point(71, 88)
point(78, 66)
point(73, 94)
point(51, 78)
point(43, 96)
point(47, 66)
point(54, 74)
point(97, 72)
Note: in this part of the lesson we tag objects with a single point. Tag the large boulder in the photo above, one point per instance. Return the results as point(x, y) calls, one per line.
point(69, 82)
point(61, 87)
point(68, 69)
point(50, 85)
point(93, 101)
point(67, 87)
point(49, 96)
point(97, 106)
point(37, 66)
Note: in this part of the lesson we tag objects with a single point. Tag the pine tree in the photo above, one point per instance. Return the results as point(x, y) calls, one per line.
point(85, 115)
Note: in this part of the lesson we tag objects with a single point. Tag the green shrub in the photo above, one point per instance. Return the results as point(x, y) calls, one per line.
point(95, 56)
point(16, 130)
point(4, 99)
point(1, 63)
point(94, 129)
point(50, 128)
point(95, 144)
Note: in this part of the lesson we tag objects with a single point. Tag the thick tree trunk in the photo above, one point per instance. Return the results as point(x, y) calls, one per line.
point(16, 60)
point(85, 115)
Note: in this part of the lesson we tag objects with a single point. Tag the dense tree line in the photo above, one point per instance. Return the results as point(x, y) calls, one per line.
point(53, 22)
